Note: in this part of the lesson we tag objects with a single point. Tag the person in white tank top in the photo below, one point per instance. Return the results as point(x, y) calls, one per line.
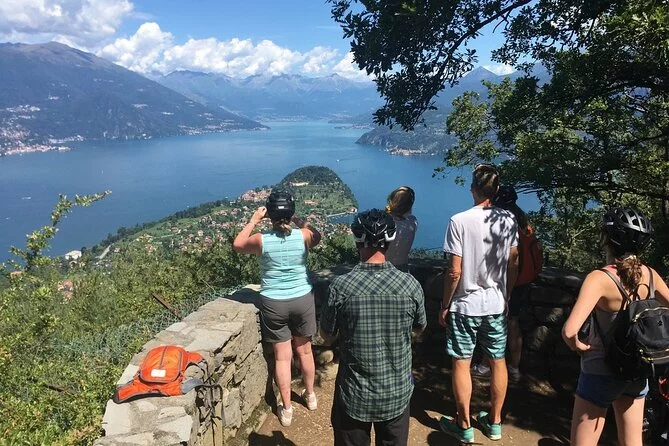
point(400, 203)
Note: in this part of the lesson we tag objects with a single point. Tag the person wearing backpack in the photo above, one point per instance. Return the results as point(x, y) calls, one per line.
point(530, 262)
point(616, 290)
point(287, 307)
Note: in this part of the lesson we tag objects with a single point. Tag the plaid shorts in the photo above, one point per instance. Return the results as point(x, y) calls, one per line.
point(465, 331)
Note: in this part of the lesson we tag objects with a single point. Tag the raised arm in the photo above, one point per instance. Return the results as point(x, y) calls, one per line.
point(311, 235)
point(246, 243)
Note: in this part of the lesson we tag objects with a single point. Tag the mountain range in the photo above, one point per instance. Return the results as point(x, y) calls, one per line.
point(286, 96)
point(51, 93)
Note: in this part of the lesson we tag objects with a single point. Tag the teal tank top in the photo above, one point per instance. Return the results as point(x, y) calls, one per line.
point(283, 266)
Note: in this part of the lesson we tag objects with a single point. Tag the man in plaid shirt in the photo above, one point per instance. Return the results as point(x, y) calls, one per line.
point(373, 310)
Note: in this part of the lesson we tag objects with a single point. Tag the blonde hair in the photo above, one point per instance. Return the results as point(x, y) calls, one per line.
point(282, 226)
point(629, 271)
point(400, 201)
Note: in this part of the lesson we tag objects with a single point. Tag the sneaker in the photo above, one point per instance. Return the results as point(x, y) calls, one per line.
point(310, 400)
point(490, 430)
point(448, 425)
point(514, 375)
point(285, 415)
point(481, 370)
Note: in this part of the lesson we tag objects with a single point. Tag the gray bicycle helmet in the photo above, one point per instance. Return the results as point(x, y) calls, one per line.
point(628, 230)
point(374, 228)
point(280, 206)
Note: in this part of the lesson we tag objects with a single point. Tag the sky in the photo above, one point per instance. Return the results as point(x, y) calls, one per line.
point(231, 37)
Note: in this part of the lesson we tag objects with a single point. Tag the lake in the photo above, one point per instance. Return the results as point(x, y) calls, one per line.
point(152, 179)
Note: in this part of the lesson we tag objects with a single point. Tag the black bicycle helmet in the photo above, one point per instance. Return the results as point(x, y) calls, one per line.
point(506, 197)
point(280, 205)
point(628, 230)
point(373, 228)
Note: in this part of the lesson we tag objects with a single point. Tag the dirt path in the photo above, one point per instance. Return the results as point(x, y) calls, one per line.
point(534, 413)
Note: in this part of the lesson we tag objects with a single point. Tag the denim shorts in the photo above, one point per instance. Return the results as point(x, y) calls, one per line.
point(602, 390)
point(464, 332)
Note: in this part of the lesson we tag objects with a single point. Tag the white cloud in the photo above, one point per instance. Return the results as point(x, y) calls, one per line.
point(79, 23)
point(349, 69)
point(500, 68)
point(141, 51)
point(152, 50)
point(319, 60)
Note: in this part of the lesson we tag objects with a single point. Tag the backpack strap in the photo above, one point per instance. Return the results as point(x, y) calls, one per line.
point(626, 297)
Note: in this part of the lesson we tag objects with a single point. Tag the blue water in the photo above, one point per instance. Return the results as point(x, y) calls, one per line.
point(152, 179)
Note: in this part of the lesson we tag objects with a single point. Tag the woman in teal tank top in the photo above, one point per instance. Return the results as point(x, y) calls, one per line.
point(287, 309)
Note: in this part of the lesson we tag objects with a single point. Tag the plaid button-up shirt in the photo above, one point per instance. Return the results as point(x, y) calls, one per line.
point(373, 309)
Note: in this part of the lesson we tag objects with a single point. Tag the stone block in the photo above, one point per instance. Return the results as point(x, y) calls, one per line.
point(239, 347)
point(324, 357)
point(118, 418)
point(550, 316)
point(177, 326)
point(229, 369)
point(171, 412)
point(183, 427)
point(250, 294)
point(128, 374)
point(234, 328)
point(433, 287)
point(551, 295)
point(240, 372)
point(208, 340)
point(144, 405)
point(560, 277)
point(141, 439)
point(542, 338)
point(253, 387)
point(231, 408)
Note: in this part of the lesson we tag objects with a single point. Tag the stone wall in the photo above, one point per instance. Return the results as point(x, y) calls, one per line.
point(545, 307)
point(226, 333)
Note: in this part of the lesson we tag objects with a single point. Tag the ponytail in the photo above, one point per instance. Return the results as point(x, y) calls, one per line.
point(282, 227)
point(629, 271)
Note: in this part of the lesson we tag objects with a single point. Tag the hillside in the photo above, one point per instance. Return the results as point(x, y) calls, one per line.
point(286, 96)
point(430, 137)
point(318, 192)
point(51, 93)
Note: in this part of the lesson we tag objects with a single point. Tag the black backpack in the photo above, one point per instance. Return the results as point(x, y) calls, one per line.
point(637, 342)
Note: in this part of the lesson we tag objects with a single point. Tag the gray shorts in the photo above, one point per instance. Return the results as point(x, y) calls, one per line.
point(280, 320)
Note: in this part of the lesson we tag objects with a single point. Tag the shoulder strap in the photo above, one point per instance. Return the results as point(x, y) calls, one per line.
point(625, 294)
point(651, 285)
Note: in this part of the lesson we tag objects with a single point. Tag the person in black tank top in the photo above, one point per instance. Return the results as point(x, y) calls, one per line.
point(625, 234)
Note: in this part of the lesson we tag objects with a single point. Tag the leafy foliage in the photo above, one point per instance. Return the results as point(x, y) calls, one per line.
point(596, 134)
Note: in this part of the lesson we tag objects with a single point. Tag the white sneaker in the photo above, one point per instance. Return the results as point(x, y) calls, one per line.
point(481, 370)
point(310, 400)
point(285, 415)
point(514, 374)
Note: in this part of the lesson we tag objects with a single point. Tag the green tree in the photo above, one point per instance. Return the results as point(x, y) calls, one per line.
point(596, 133)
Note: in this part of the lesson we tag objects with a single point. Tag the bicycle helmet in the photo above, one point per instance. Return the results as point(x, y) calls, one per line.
point(280, 206)
point(628, 230)
point(373, 228)
point(506, 197)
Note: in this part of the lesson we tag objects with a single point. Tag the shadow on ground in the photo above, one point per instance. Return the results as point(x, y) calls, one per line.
point(533, 405)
